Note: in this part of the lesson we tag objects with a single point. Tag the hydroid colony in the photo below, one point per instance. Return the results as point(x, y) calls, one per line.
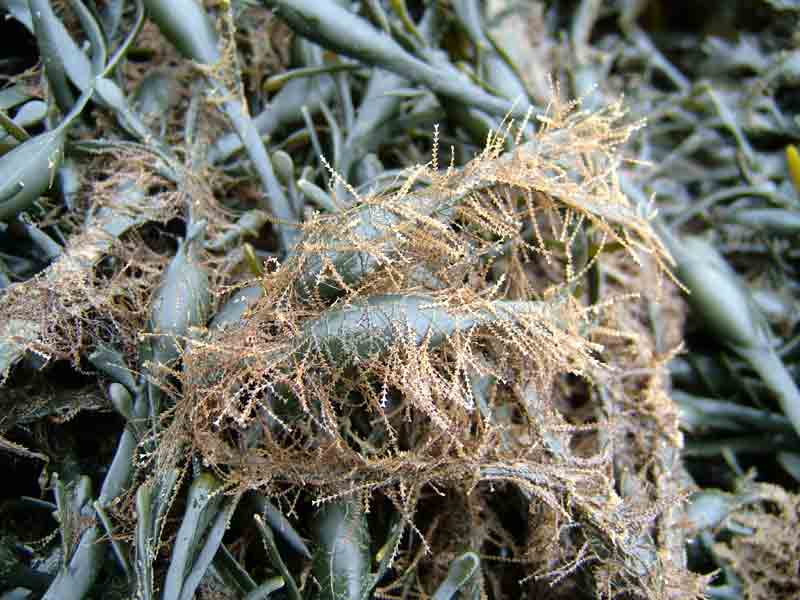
point(443, 339)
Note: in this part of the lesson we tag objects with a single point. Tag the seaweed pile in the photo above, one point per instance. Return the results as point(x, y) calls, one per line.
point(325, 299)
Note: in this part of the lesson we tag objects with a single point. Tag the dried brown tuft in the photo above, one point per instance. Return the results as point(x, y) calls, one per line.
point(336, 384)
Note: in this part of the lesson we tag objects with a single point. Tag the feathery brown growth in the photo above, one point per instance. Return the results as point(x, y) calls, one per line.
point(436, 344)
point(767, 560)
point(96, 289)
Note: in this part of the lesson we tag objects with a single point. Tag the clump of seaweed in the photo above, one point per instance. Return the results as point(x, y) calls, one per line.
point(388, 359)
point(448, 381)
